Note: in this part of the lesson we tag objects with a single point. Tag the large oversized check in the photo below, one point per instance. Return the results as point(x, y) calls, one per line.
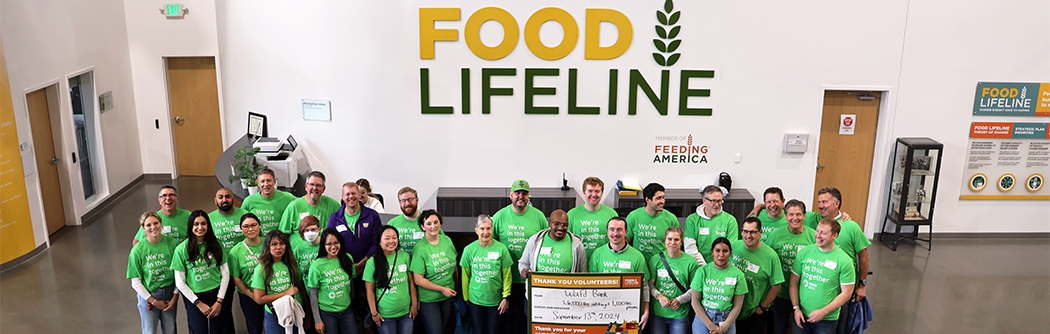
point(584, 303)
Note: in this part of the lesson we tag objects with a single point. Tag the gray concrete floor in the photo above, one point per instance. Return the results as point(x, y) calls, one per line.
point(963, 286)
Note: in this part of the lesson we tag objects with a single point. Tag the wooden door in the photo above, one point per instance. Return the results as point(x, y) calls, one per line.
point(844, 161)
point(193, 95)
point(46, 159)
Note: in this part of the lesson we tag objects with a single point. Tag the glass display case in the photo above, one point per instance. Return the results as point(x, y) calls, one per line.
point(912, 191)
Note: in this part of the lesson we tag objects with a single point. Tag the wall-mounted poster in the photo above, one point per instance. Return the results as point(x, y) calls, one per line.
point(1012, 99)
point(1014, 157)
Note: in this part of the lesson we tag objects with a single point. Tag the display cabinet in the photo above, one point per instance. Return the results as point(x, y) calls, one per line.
point(912, 191)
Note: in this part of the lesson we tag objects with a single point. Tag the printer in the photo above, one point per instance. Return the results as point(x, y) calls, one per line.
point(280, 156)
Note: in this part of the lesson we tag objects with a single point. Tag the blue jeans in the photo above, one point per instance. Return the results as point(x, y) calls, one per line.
point(661, 325)
point(273, 326)
point(152, 319)
point(716, 316)
point(399, 325)
point(200, 324)
point(486, 319)
point(819, 327)
point(339, 322)
point(253, 314)
point(436, 315)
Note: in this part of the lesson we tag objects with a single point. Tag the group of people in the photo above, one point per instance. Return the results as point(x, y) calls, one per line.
point(312, 264)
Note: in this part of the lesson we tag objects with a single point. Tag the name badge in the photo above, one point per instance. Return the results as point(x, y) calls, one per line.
point(661, 272)
point(730, 280)
point(625, 264)
point(365, 225)
point(303, 215)
point(166, 229)
point(545, 250)
point(402, 267)
point(237, 228)
point(418, 235)
point(493, 255)
point(798, 248)
point(340, 228)
point(830, 264)
point(704, 231)
point(752, 267)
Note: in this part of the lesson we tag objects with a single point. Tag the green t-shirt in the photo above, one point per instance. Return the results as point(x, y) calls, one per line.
point(705, 231)
point(820, 278)
point(152, 263)
point(332, 282)
point(486, 266)
point(592, 227)
point(555, 256)
point(298, 209)
point(762, 270)
point(351, 219)
point(408, 232)
point(269, 210)
point(851, 239)
point(175, 227)
point(243, 259)
point(647, 232)
point(718, 287)
point(513, 230)
point(683, 268)
point(395, 300)
point(787, 245)
point(812, 218)
point(227, 227)
point(280, 281)
point(770, 225)
point(201, 275)
point(437, 263)
point(628, 260)
point(304, 252)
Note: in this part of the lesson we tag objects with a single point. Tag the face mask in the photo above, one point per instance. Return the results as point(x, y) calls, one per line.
point(310, 236)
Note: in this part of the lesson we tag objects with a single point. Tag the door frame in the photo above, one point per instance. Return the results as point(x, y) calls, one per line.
point(880, 162)
point(55, 95)
point(167, 106)
point(102, 186)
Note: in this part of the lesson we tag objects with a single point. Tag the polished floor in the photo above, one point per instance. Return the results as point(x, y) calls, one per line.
point(962, 286)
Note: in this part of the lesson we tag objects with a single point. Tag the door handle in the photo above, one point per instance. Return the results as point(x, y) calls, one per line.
point(54, 160)
point(819, 166)
point(179, 120)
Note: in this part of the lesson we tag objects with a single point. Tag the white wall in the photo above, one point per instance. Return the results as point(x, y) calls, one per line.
point(151, 37)
point(45, 42)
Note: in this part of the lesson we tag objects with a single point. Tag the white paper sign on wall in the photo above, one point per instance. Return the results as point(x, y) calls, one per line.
point(847, 124)
point(317, 110)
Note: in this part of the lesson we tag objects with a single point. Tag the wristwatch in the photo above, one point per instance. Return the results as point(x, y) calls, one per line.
point(863, 282)
point(764, 308)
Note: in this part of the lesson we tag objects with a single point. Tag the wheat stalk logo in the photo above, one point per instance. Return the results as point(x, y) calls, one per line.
point(690, 142)
point(1024, 91)
point(667, 30)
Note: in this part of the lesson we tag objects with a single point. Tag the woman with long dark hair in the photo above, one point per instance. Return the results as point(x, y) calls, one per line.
point(201, 275)
point(718, 292)
point(390, 289)
point(244, 257)
point(149, 268)
point(433, 270)
point(329, 282)
point(276, 276)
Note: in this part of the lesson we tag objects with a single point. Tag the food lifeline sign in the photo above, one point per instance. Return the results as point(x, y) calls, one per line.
point(1007, 161)
point(1012, 99)
point(585, 303)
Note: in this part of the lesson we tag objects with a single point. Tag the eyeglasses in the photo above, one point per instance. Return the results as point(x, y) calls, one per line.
point(408, 200)
point(560, 224)
point(315, 185)
point(718, 201)
point(749, 231)
point(249, 226)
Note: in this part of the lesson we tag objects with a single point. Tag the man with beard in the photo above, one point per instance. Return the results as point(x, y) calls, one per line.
point(822, 281)
point(763, 273)
point(269, 203)
point(549, 251)
point(408, 230)
point(173, 220)
point(619, 257)
point(226, 219)
point(512, 226)
point(708, 223)
point(786, 242)
point(647, 225)
point(314, 203)
point(590, 220)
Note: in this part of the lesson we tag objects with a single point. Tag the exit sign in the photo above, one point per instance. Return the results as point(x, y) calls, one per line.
point(173, 11)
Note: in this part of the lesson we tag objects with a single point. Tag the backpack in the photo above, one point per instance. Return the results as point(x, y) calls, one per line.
point(725, 181)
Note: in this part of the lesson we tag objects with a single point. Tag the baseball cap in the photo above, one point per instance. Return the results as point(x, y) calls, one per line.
point(519, 185)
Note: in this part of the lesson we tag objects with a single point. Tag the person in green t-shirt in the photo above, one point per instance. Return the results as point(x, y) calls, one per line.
point(513, 225)
point(589, 220)
point(772, 216)
point(390, 290)
point(486, 267)
point(620, 257)
point(718, 291)
point(646, 225)
point(269, 203)
point(243, 259)
point(708, 223)
point(149, 268)
point(764, 273)
point(314, 203)
point(277, 276)
point(786, 242)
point(554, 250)
point(851, 239)
point(822, 280)
point(407, 222)
point(172, 219)
point(330, 286)
point(306, 243)
point(226, 219)
point(433, 270)
point(202, 275)
point(672, 272)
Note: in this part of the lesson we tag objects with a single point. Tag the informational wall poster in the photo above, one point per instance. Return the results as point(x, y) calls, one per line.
point(585, 303)
point(1007, 161)
point(1012, 99)
point(16, 225)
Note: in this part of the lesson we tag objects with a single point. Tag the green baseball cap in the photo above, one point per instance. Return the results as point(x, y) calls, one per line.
point(519, 185)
